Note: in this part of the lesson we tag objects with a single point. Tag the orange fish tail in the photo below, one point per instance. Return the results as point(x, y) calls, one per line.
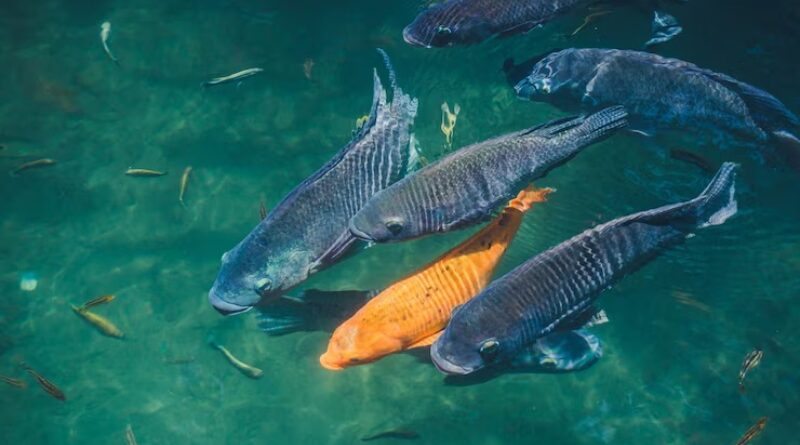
point(529, 196)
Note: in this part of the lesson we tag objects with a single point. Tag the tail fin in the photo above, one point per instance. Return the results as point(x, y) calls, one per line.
point(713, 207)
point(587, 129)
point(529, 196)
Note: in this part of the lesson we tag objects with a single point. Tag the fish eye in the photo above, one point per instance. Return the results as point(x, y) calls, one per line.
point(395, 227)
point(489, 349)
point(263, 286)
point(441, 29)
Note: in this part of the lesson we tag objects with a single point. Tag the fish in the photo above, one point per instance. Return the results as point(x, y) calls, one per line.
point(753, 431)
point(467, 22)
point(557, 289)
point(102, 324)
point(244, 368)
point(691, 158)
point(103, 299)
point(33, 164)
point(235, 77)
point(413, 311)
point(393, 434)
point(308, 230)
point(662, 93)
point(308, 67)
point(105, 33)
point(686, 299)
point(465, 187)
point(48, 386)
point(262, 210)
point(751, 360)
point(665, 27)
point(184, 183)
point(144, 172)
point(130, 438)
point(589, 19)
point(449, 119)
point(16, 383)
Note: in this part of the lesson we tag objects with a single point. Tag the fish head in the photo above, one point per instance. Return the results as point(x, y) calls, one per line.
point(381, 220)
point(447, 24)
point(352, 344)
point(556, 74)
point(464, 349)
point(251, 273)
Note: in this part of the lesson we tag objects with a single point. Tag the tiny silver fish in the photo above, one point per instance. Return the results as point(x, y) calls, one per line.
point(233, 77)
point(105, 33)
point(751, 360)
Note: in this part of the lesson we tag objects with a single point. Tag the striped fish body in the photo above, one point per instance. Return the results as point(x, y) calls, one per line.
point(466, 187)
point(413, 311)
point(659, 93)
point(308, 230)
point(555, 289)
point(465, 22)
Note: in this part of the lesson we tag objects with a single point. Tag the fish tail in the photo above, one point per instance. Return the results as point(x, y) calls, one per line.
point(529, 196)
point(712, 207)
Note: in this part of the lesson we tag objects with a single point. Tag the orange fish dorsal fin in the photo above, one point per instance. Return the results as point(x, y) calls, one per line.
point(427, 341)
point(529, 196)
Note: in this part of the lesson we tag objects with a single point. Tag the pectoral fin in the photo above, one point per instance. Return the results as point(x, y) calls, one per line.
point(427, 341)
point(559, 352)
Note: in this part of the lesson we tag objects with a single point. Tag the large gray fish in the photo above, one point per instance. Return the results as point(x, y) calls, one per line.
point(308, 230)
point(465, 187)
point(555, 290)
point(659, 93)
point(467, 22)
point(464, 22)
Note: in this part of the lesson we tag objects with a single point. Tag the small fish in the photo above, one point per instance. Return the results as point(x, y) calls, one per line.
point(143, 172)
point(751, 360)
point(101, 323)
point(449, 122)
point(589, 19)
point(184, 183)
point(262, 210)
point(249, 371)
point(47, 385)
point(754, 431)
point(103, 299)
point(393, 434)
point(130, 438)
point(684, 298)
point(16, 383)
point(691, 158)
point(105, 32)
point(233, 77)
point(33, 164)
point(308, 66)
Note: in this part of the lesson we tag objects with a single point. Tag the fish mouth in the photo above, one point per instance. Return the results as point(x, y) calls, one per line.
point(225, 308)
point(327, 363)
point(358, 233)
point(411, 40)
point(447, 367)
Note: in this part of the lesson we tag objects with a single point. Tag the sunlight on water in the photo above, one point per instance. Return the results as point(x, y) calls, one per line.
point(679, 328)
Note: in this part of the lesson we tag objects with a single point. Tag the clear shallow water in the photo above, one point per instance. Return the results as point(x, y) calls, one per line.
point(669, 371)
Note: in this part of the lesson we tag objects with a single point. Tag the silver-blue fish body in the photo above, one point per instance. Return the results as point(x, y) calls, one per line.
point(658, 92)
point(308, 230)
point(466, 187)
point(557, 288)
point(465, 22)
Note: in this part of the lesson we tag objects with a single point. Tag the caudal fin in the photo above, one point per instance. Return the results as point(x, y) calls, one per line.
point(529, 196)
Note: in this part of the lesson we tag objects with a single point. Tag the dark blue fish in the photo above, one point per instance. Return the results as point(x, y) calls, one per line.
point(660, 93)
point(308, 230)
point(465, 187)
point(465, 22)
point(556, 290)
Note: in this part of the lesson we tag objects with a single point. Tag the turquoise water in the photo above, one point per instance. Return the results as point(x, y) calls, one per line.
point(669, 374)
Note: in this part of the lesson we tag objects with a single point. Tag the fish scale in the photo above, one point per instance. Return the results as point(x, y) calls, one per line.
point(416, 308)
point(553, 289)
point(465, 187)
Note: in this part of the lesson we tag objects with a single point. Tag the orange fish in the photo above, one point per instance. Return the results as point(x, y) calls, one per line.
point(413, 312)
